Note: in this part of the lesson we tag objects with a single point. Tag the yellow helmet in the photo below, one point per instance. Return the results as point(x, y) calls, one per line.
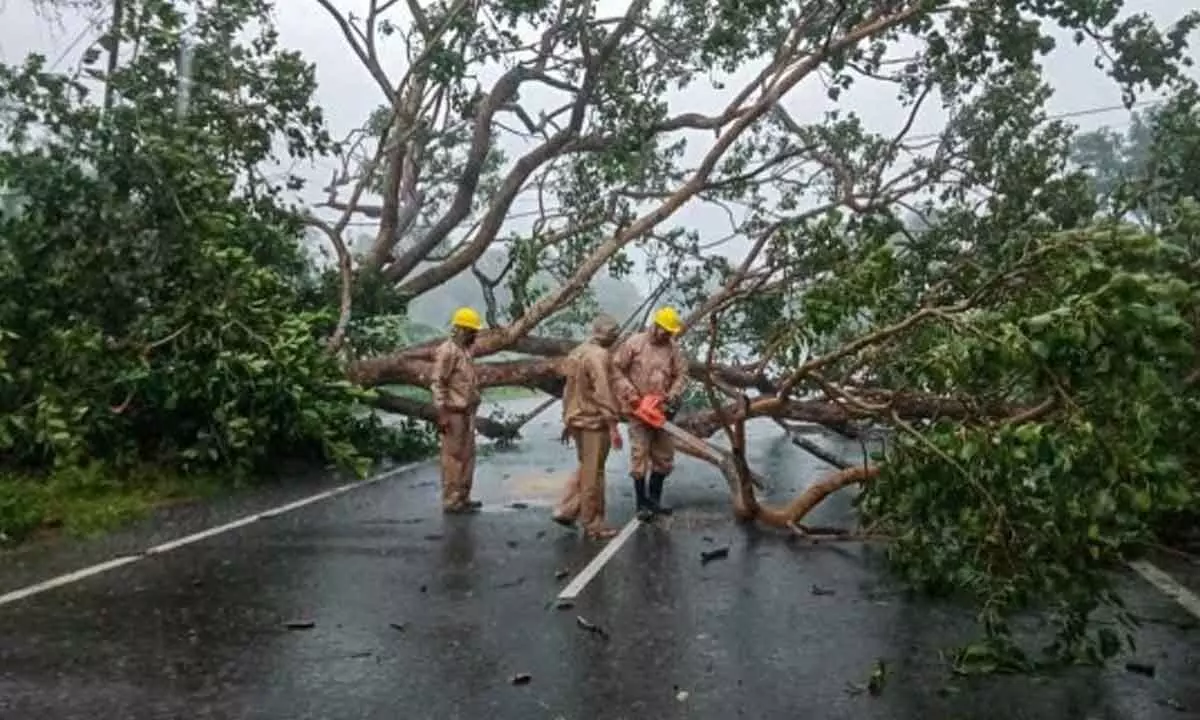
point(668, 319)
point(465, 317)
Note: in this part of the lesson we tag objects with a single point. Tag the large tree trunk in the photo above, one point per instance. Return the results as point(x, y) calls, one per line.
point(413, 366)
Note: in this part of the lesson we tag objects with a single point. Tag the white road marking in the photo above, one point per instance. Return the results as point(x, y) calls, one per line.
point(76, 576)
point(67, 579)
point(576, 586)
point(1168, 585)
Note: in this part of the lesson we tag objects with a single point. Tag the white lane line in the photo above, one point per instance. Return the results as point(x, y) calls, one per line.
point(1168, 585)
point(76, 576)
point(67, 579)
point(576, 586)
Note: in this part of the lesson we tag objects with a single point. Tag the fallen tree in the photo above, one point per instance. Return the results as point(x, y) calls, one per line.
point(961, 289)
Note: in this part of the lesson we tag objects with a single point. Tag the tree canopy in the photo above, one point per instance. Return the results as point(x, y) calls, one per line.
point(1016, 304)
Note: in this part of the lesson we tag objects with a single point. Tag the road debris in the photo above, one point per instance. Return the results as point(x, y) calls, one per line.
point(1140, 668)
point(398, 626)
point(708, 556)
point(562, 574)
point(433, 536)
point(299, 624)
point(513, 544)
point(878, 678)
point(818, 590)
point(518, 505)
point(511, 583)
point(591, 627)
point(521, 679)
point(874, 684)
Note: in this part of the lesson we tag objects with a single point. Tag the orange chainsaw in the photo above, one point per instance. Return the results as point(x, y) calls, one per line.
point(650, 409)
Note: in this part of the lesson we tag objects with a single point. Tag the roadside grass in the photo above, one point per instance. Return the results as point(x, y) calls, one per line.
point(92, 499)
point(89, 500)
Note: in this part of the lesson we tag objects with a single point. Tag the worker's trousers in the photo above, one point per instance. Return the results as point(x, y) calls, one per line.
point(583, 499)
point(458, 459)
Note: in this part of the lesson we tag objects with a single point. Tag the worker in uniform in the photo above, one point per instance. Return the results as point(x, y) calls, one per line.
point(650, 362)
point(455, 390)
point(590, 418)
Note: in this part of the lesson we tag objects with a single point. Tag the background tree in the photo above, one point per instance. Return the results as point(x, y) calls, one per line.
point(151, 279)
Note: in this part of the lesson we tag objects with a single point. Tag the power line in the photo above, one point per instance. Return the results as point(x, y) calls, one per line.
point(1083, 112)
point(92, 24)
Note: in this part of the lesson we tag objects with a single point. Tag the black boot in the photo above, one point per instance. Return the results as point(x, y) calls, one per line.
point(644, 512)
point(655, 495)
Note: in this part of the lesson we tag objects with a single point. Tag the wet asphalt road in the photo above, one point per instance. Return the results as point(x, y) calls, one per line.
point(419, 616)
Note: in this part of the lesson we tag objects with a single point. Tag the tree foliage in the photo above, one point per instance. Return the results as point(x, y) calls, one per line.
point(151, 304)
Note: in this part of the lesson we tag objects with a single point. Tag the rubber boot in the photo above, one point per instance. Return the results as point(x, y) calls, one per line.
point(655, 495)
point(644, 511)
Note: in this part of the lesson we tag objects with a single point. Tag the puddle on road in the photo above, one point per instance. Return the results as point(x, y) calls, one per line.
point(540, 489)
point(692, 518)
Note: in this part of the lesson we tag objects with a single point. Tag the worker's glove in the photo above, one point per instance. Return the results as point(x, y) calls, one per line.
point(671, 409)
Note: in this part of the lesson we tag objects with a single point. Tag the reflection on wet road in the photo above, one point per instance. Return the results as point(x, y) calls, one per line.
point(398, 612)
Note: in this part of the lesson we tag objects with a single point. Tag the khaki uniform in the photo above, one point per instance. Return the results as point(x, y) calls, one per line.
point(589, 413)
point(643, 368)
point(456, 395)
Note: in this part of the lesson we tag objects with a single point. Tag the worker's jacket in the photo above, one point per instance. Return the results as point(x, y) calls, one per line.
point(644, 368)
point(454, 384)
point(588, 400)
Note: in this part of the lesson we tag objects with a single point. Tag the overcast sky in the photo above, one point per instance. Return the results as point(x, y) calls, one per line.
point(348, 94)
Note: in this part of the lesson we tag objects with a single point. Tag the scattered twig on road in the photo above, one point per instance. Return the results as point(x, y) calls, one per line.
point(299, 624)
point(708, 556)
point(521, 679)
point(591, 627)
point(398, 626)
point(1191, 558)
point(1188, 624)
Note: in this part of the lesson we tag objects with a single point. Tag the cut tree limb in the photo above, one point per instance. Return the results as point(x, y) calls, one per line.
point(421, 410)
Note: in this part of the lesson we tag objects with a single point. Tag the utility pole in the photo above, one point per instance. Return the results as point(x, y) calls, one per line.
point(114, 35)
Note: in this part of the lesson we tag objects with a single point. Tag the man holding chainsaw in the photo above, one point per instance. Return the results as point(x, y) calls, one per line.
point(590, 417)
point(650, 363)
point(456, 396)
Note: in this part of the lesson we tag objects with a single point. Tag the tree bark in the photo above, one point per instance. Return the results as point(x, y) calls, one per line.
point(419, 410)
point(402, 366)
